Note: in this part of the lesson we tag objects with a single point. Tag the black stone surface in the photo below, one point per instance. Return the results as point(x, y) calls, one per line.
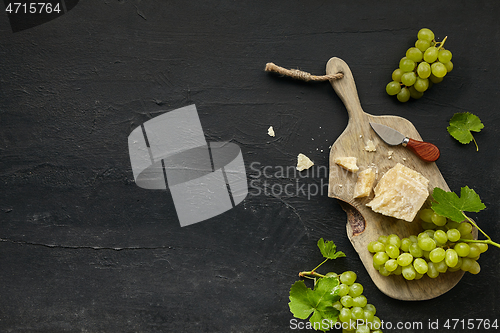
point(83, 249)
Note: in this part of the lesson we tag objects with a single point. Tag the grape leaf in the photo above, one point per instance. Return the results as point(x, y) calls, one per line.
point(448, 204)
point(318, 302)
point(329, 249)
point(461, 125)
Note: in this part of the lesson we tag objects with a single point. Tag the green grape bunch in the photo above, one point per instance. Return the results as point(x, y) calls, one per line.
point(440, 248)
point(425, 63)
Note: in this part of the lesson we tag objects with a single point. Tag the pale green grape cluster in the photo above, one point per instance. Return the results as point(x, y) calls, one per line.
point(356, 314)
point(424, 64)
point(436, 250)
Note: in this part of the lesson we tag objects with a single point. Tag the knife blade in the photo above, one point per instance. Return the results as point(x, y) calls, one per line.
point(425, 150)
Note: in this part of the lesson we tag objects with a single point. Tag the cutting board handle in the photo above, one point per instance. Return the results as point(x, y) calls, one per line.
point(345, 87)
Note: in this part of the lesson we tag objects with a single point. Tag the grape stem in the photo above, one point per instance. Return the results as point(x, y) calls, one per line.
point(477, 148)
point(487, 241)
point(311, 273)
point(442, 43)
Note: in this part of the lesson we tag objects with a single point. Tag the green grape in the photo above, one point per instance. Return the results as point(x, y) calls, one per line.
point(409, 78)
point(348, 277)
point(406, 65)
point(413, 238)
point(404, 95)
point(422, 45)
point(370, 246)
point(475, 268)
point(392, 88)
point(359, 301)
point(437, 255)
point(405, 244)
point(414, 93)
point(452, 224)
point(392, 251)
point(440, 237)
point(382, 239)
point(409, 272)
point(371, 308)
point(430, 232)
point(438, 219)
point(356, 289)
point(457, 266)
point(423, 71)
point(426, 214)
point(337, 305)
point(405, 259)
point(462, 249)
point(368, 317)
point(431, 54)
point(425, 34)
point(418, 276)
point(415, 54)
point(378, 247)
point(380, 258)
point(423, 234)
point(421, 85)
point(464, 228)
point(343, 289)
point(391, 265)
point(453, 235)
point(483, 247)
point(377, 267)
point(441, 266)
point(451, 258)
point(331, 274)
point(449, 66)
point(397, 271)
point(394, 239)
point(415, 250)
point(346, 301)
point(467, 236)
point(345, 315)
point(383, 271)
point(427, 244)
point(396, 75)
point(435, 79)
point(420, 266)
point(444, 56)
point(432, 272)
point(474, 251)
point(362, 329)
point(466, 264)
point(357, 313)
point(438, 69)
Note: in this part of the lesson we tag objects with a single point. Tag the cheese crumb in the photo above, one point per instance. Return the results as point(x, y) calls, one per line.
point(390, 152)
point(270, 131)
point(364, 183)
point(370, 146)
point(348, 163)
point(303, 162)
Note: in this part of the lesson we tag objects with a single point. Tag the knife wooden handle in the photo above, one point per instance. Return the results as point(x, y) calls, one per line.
point(425, 150)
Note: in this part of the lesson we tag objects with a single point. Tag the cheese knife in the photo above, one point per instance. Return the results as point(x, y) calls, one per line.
point(425, 150)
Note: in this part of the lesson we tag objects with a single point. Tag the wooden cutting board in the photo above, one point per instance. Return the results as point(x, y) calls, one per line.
point(364, 225)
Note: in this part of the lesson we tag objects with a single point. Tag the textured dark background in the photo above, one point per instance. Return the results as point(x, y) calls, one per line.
point(83, 249)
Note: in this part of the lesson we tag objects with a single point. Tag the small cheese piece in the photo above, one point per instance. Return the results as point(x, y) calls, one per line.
point(364, 184)
point(370, 146)
point(303, 162)
point(348, 163)
point(400, 193)
point(270, 131)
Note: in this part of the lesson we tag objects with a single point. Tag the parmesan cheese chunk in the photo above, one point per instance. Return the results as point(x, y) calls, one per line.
point(303, 162)
point(270, 131)
point(348, 163)
point(364, 184)
point(400, 193)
